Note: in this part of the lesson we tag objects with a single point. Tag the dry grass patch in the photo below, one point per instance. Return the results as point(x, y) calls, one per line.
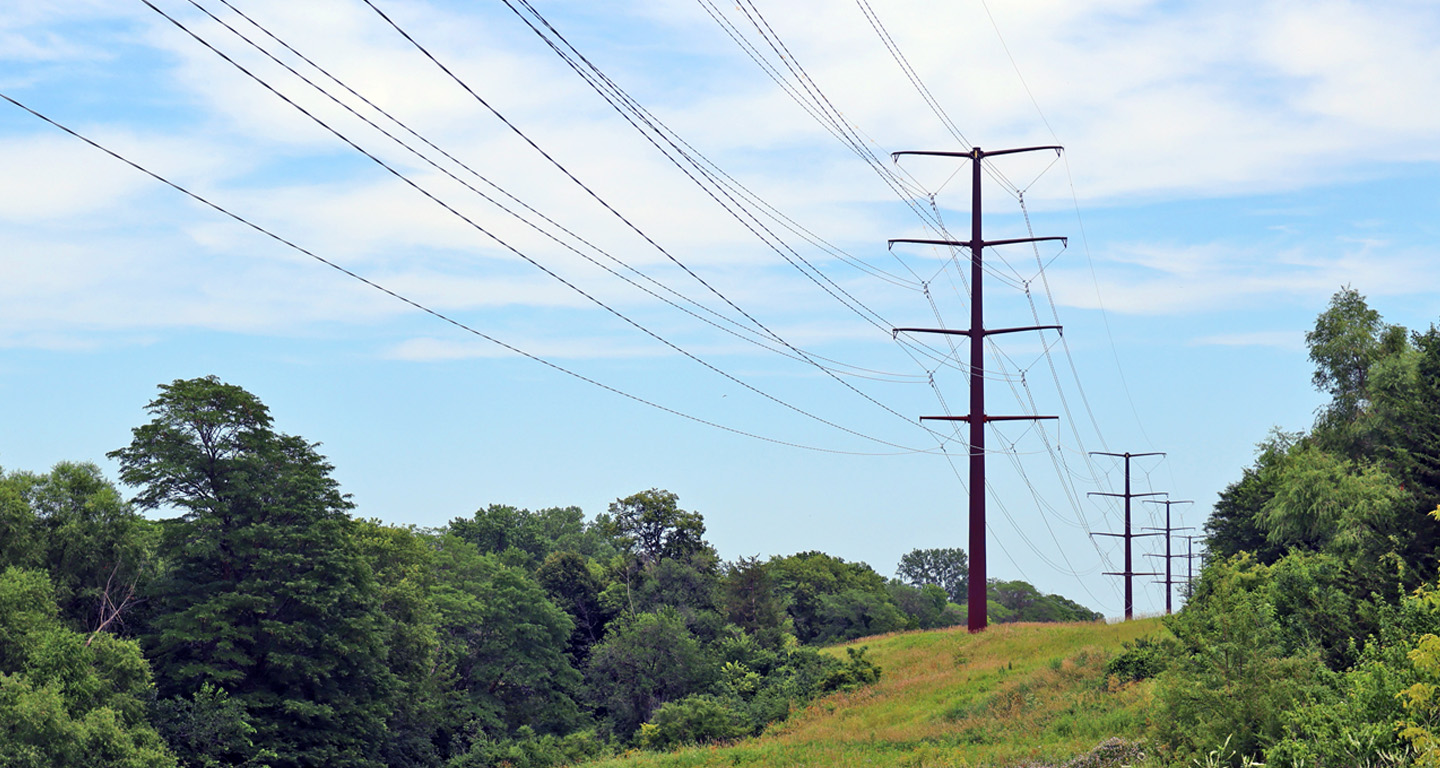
point(1014, 694)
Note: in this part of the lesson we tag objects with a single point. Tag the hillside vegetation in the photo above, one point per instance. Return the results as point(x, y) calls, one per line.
point(1014, 694)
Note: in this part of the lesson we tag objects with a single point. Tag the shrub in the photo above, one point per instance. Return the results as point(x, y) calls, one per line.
point(1141, 660)
point(698, 719)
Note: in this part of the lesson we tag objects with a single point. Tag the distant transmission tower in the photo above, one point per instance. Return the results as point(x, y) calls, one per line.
point(1129, 572)
point(977, 418)
point(1168, 529)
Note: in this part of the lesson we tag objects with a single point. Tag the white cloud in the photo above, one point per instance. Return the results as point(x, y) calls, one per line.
point(1213, 99)
point(1288, 341)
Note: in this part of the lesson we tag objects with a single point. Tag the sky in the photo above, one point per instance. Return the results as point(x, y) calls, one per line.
point(553, 299)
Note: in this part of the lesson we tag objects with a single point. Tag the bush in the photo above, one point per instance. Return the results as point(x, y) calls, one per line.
point(692, 720)
point(856, 671)
point(528, 750)
point(1141, 660)
point(1232, 681)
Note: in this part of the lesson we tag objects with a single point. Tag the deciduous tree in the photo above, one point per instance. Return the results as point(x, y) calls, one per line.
point(267, 597)
point(948, 569)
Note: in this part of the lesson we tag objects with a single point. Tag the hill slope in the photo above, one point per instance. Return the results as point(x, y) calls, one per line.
point(1016, 693)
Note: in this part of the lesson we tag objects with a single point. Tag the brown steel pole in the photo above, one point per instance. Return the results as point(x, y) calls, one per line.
point(1129, 572)
point(977, 611)
point(1168, 529)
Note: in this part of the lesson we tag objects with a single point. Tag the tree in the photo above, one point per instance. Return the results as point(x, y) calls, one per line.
point(566, 577)
point(1233, 677)
point(503, 644)
point(643, 663)
point(652, 526)
point(68, 699)
point(948, 569)
point(751, 602)
point(856, 613)
point(73, 523)
point(403, 561)
point(1343, 345)
point(267, 596)
point(811, 584)
point(1235, 523)
point(926, 607)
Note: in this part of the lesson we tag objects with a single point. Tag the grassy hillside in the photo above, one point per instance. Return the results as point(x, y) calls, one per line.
point(1014, 694)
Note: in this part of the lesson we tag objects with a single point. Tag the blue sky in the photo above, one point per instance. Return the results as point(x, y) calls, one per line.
point(1228, 167)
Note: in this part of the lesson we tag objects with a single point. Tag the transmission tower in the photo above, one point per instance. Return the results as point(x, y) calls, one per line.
point(1167, 530)
point(977, 418)
point(1190, 563)
point(1129, 572)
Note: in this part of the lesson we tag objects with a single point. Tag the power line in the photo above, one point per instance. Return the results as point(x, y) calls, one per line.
point(499, 241)
point(465, 86)
point(736, 331)
point(423, 308)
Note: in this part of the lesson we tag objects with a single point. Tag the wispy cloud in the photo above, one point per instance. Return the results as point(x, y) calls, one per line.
point(1286, 340)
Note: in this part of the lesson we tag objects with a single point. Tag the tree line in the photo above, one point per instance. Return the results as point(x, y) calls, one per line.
point(266, 625)
point(1310, 637)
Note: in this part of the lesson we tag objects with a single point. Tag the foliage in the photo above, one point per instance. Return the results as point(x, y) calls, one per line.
point(751, 602)
point(1344, 344)
point(267, 596)
point(1421, 698)
point(652, 526)
point(503, 642)
point(528, 749)
point(67, 699)
point(209, 729)
point(72, 523)
point(695, 719)
point(1234, 524)
point(1141, 659)
point(570, 583)
point(1023, 602)
point(642, 663)
point(856, 671)
point(1233, 676)
point(927, 607)
point(403, 560)
point(855, 613)
point(527, 538)
point(826, 597)
point(948, 569)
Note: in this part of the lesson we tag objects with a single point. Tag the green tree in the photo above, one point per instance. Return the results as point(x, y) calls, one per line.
point(527, 538)
point(503, 645)
point(1235, 523)
point(1233, 678)
point(948, 569)
point(1345, 342)
point(805, 581)
point(642, 663)
point(751, 602)
point(69, 699)
point(926, 607)
point(267, 596)
point(1405, 389)
point(73, 523)
point(652, 526)
point(403, 561)
point(854, 613)
point(570, 583)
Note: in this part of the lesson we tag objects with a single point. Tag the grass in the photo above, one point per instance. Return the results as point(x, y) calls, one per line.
point(1016, 694)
